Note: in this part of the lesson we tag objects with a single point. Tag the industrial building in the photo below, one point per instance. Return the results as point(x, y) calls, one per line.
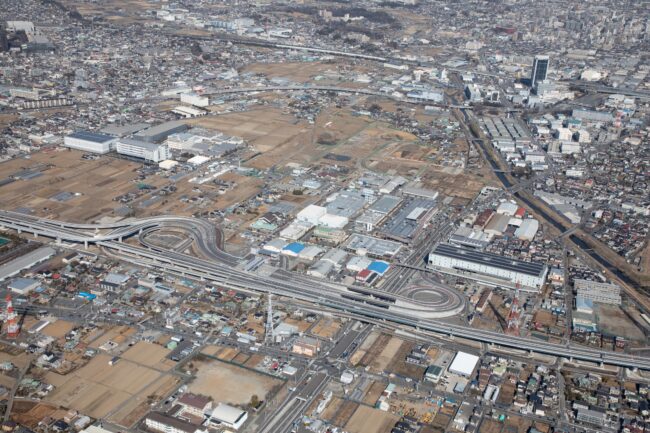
point(158, 133)
point(596, 291)
point(373, 247)
point(377, 213)
point(23, 286)
point(143, 150)
point(463, 364)
point(26, 261)
point(489, 269)
point(90, 142)
point(405, 225)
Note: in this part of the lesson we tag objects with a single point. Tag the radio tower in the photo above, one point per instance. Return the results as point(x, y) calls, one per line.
point(514, 316)
point(12, 320)
point(269, 321)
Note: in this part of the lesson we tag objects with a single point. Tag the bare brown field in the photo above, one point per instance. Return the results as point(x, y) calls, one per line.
point(326, 327)
point(149, 355)
point(118, 334)
point(58, 329)
point(65, 171)
point(369, 420)
point(98, 389)
point(229, 383)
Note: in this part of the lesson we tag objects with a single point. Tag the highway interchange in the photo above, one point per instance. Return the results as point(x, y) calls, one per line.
point(372, 306)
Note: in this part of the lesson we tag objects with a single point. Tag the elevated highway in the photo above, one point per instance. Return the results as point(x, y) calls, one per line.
point(403, 312)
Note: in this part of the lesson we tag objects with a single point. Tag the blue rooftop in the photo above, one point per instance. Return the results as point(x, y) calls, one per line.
point(294, 247)
point(378, 267)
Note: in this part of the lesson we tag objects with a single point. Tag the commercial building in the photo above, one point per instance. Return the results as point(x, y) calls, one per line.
point(595, 291)
point(228, 416)
point(144, 150)
point(90, 142)
point(464, 364)
point(489, 269)
point(540, 70)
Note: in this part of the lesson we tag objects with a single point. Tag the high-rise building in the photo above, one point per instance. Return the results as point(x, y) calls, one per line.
point(540, 68)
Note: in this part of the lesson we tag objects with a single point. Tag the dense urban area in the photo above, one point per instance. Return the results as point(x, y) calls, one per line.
point(372, 216)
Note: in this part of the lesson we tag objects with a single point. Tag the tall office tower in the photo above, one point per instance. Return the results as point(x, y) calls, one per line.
point(540, 68)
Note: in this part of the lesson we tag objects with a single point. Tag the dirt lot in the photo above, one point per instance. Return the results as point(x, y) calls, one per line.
point(230, 384)
point(345, 412)
point(613, 321)
point(98, 389)
point(368, 420)
point(118, 334)
point(381, 353)
point(401, 367)
point(29, 414)
point(374, 392)
point(326, 327)
point(58, 329)
point(150, 355)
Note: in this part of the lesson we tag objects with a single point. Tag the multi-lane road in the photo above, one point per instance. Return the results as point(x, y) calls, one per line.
point(399, 313)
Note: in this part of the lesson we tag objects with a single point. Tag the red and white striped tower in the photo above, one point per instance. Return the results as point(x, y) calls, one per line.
point(13, 329)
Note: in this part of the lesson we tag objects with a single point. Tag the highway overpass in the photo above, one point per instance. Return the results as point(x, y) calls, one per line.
point(317, 292)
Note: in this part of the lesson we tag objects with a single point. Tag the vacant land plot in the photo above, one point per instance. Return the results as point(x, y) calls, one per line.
point(29, 413)
point(382, 352)
point(344, 413)
point(118, 334)
point(401, 367)
point(58, 329)
point(98, 389)
point(148, 354)
point(229, 383)
point(93, 184)
point(369, 420)
point(326, 327)
point(374, 392)
point(612, 320)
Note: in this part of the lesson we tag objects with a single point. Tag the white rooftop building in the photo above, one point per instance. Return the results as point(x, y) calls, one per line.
point(228, 416)
point(464, 364)
point(142, 149)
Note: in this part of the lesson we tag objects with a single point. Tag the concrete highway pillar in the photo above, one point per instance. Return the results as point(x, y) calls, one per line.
point(140, 231)
point(86, 245)
point(120, 239)
point(35, 235)
point(19, 231)
point(58, 241)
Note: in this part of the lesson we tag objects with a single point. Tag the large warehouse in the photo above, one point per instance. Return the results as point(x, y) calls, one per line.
point(489, 269)
point(143, 149)
point(90, 142)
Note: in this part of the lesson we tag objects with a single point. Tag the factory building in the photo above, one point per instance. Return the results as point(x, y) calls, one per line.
point(596, 291)
point(159, 133)
point(144, 150)
point(489, 269)
point(90, 142)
